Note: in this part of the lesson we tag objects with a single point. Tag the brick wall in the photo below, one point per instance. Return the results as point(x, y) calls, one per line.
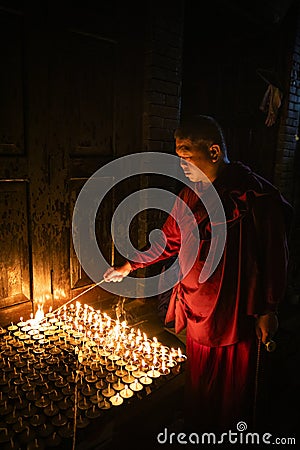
point(162, 95)
point(288, 162)
point(163, 67)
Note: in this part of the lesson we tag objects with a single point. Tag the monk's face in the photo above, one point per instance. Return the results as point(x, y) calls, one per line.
point(192, 159)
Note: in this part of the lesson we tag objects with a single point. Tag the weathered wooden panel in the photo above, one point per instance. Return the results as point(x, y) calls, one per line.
point(102, 230)
point(87, 66)
point(74, 88)
point(11, 84)
point(80, 138)
point(14, 244)
point(38, 154)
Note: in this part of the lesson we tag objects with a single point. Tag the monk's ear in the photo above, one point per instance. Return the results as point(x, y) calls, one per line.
point(214, 153)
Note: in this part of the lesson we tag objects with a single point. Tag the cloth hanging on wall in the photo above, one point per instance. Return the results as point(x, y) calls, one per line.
point(271, 103)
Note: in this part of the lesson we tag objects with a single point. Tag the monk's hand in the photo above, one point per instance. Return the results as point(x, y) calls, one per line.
point(266, 326)
point(116, 274)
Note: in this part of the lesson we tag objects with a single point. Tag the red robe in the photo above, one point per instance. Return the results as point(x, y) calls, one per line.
point(249, 280)
point(251, 276)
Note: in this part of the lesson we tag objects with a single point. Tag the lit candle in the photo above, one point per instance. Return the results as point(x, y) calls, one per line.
point(144, 366)
point(155, 362)
point(130, 367)
point(155, 343)
point(126, 392)
point(12, 327)
point(180, 357)
point(164, 370)
point(136, 386)
point(153, 373)
point(163, 352)
point(50, 313)
point(21, 323)
point(171, 362)
point(146, 380)
point(116, 400)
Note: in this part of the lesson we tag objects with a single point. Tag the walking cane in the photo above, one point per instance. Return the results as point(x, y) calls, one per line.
point(270, 346)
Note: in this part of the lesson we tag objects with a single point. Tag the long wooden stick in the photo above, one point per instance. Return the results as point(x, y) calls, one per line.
point(79, 295)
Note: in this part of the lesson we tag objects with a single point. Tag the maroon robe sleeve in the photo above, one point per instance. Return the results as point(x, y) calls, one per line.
point(272, 247)
point(157, 252)
point(251, 276)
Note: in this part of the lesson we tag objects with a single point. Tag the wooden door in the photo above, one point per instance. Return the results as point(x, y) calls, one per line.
point(71, 100)
point(15, 239)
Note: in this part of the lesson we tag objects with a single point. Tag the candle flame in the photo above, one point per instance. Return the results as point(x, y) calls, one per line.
point(39, 315)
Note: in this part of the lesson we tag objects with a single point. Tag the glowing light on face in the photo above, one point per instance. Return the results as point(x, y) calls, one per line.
point(195, 163)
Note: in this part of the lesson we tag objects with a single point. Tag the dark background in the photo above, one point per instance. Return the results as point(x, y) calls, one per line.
point(82, 83)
